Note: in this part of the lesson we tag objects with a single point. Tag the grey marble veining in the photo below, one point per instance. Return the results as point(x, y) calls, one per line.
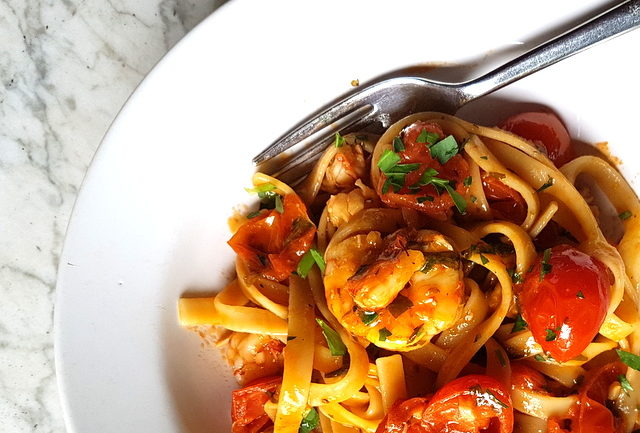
point(66, 68)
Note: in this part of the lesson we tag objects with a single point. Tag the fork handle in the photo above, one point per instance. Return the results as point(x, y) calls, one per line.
point(614, 22)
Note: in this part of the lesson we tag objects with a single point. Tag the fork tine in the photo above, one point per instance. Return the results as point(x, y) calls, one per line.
point(322, 127)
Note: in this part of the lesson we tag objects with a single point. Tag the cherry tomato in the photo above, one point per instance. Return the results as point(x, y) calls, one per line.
point(506, 203)
point(543, 129)
point(273, 243)
point(590, 414)
point(247, 405)
point(471, 403)
point(564, 300)
point(425, 198)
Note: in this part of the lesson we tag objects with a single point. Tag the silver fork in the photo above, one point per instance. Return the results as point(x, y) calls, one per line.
point(387, 101)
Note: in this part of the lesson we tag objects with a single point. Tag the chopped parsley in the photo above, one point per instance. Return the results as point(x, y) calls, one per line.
point(516, 277)
point(388, 160)
point(519, 325)
point(485, 157)
point(396, 174)
point(539, 358)
point(551, 335)
point(253, 214)
point(625, 215)
point(423, 199)
point(278, 204)
point(545, 267)
point(309, 422)
point(368, 316)
point(444, 149)
point(547, 184)
point(580, 295)
point(624, 383)
point(336, 346)
point(474, 199)
point(467, 181)
point(262, 188)
point(630, 359)
point(308, 260)
point(483, 259)
point(427, 137)
point(458, 200)
point(339, 140)
point(383, 334)
point(398, 144)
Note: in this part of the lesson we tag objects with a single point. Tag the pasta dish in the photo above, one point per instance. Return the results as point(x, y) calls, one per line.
point(442, 277)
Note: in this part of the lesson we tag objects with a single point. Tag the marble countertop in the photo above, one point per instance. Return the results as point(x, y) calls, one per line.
point(66, 68)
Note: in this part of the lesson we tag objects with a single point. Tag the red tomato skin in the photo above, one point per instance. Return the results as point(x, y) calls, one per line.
point(247, 405)
point(546, 129)
point(566, 307)
point(273, 243)
point(442, 412)
point(455, 169)
point(589, 414)
point(506, 203)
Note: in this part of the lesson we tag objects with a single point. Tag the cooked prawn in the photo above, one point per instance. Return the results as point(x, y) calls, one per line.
point(252, 356)
point(397, 292)
point(347, 166)
point(342, 206)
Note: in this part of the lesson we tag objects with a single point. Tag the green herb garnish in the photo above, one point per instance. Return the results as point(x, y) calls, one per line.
point(547, 184)
point(625, 215)
point(516, 277)
point(339, 140)
point(630, 359)
point(336, 346)
point(423, 199)
point(253, 214)
point(483, 259)
point(551, 335)
point(545, 267)
point(467, 181)
point(368, 316)
point(383, 334)
point(398, 144)
point(539, 358)
point(580, 294)
point(308, 260)
point(278, 204)
point(427, 137)
point(444, 149)
point(309, 422)
point(388, 160)
point(519, 324)
point(261, 188)
point(624, 383)
point(458, 200)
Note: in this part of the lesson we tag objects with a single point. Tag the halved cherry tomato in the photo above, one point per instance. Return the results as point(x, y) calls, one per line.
point(506, 203)
point(273, 243)
point(474, 403)
point(564, 300)
point(546, 129)
point(247, 405)
point(590, 414)
point(435, 204)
